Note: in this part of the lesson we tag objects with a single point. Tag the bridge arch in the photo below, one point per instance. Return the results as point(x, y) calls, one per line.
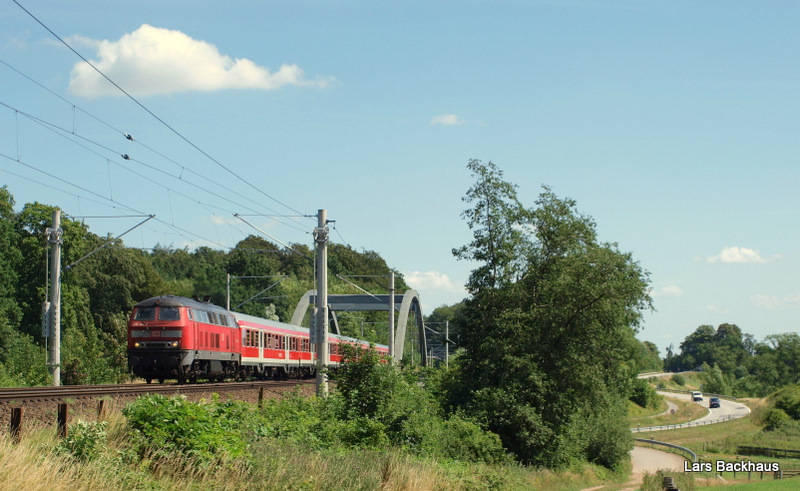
point(405, 305)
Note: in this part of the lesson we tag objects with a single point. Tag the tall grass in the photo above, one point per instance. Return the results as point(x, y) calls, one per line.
point(41, 461)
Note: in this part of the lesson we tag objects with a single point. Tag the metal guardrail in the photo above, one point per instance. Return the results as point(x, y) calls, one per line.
point(685, 450)
point(688, 424)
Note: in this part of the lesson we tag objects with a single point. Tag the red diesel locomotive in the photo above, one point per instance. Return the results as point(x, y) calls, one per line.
point(172, 337)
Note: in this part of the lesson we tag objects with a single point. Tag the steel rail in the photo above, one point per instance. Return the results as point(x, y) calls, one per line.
point(29, 394)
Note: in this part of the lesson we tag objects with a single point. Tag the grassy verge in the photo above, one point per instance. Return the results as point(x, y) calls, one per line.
point(691, 381)
point(686, 411)
point(636, 412)
point(106, 460)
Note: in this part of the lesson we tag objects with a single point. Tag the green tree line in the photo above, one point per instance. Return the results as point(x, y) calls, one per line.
point(734, 363)
point(99, 292)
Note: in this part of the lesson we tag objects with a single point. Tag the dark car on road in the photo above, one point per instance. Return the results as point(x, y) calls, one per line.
point(713, 402)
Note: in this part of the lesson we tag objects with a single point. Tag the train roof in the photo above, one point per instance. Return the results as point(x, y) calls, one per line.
point(176, 301)
point(259, 321)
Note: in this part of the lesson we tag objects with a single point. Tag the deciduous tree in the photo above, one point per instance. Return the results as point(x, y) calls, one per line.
point(547, 327)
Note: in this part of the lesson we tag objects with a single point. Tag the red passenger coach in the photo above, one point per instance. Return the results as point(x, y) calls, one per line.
point(184, 339)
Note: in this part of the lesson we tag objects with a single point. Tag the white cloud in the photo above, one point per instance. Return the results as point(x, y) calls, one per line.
point(667, 291)
point(152, 60)
point(771, 302)
point(435, 289)
point(739, 255)
point(220, 220)
point(447, 120)
point(431, 280)
point(717, 309)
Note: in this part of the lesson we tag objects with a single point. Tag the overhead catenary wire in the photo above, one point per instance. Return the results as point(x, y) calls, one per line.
point(57, 128)
point(273, 238)
point(110, 242)
point(129, 208)
point(64, 133)
point(68, 135)
point(156, 117)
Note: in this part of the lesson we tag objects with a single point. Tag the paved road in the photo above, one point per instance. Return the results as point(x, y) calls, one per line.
point(647, 459)
point(728, 410)
point(650, 459)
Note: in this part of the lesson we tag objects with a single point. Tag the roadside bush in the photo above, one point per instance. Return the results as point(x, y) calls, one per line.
point(364, 382)
point(715, 381)
point(788, 399)
point(775, 418)
point(644, 395)
point(379, 406)
point(678, 379)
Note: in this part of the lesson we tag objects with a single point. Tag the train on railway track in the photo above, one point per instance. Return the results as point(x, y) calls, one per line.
point(171, 337)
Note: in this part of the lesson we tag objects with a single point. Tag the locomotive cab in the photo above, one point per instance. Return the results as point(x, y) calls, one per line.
point(179, 338)
point(156, 332)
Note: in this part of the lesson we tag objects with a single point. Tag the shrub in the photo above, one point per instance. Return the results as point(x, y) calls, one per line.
point(364, 382)
point(644, 395)
point(85, 440)
point(206, 432)
point(466, 441)
point(678, 379)
point(788, 399)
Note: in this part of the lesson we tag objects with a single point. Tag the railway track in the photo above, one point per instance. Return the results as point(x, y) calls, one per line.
point(68, 392)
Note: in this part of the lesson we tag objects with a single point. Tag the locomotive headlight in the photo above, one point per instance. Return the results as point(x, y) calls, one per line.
point(175, 344)
point(136, 344)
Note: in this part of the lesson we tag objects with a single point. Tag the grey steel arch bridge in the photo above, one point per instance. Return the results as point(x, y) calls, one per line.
point(405, 305)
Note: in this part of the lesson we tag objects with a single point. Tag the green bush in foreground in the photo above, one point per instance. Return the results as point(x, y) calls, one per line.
point(85, 440)
point(374, 407)
point(205, 432)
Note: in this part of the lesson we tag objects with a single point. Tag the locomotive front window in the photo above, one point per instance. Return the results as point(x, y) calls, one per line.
point(145, 314)
point(169, 314)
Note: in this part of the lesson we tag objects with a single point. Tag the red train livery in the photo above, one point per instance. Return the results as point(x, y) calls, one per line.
point(172, 337)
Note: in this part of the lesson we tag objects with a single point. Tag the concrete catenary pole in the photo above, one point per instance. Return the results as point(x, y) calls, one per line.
point(321, 239)
point(446, 344)
point(391, 317)
point(54, 351)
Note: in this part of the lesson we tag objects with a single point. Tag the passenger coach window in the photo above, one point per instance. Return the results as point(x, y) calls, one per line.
point(169, 314)
point(145, 314)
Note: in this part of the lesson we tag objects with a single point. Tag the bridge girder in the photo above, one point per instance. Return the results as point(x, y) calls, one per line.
point(404, 304)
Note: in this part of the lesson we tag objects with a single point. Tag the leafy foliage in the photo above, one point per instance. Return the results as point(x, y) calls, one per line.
point(548, 330)
point(206, 432)
point(99, 290)
point(714, 380)
point(734, 363)
point(644, 394)
point(390, 408)
point(400, 414)
point(22, 362)
point(85, 440)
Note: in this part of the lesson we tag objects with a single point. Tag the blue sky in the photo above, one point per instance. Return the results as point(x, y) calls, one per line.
point(672, 123)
